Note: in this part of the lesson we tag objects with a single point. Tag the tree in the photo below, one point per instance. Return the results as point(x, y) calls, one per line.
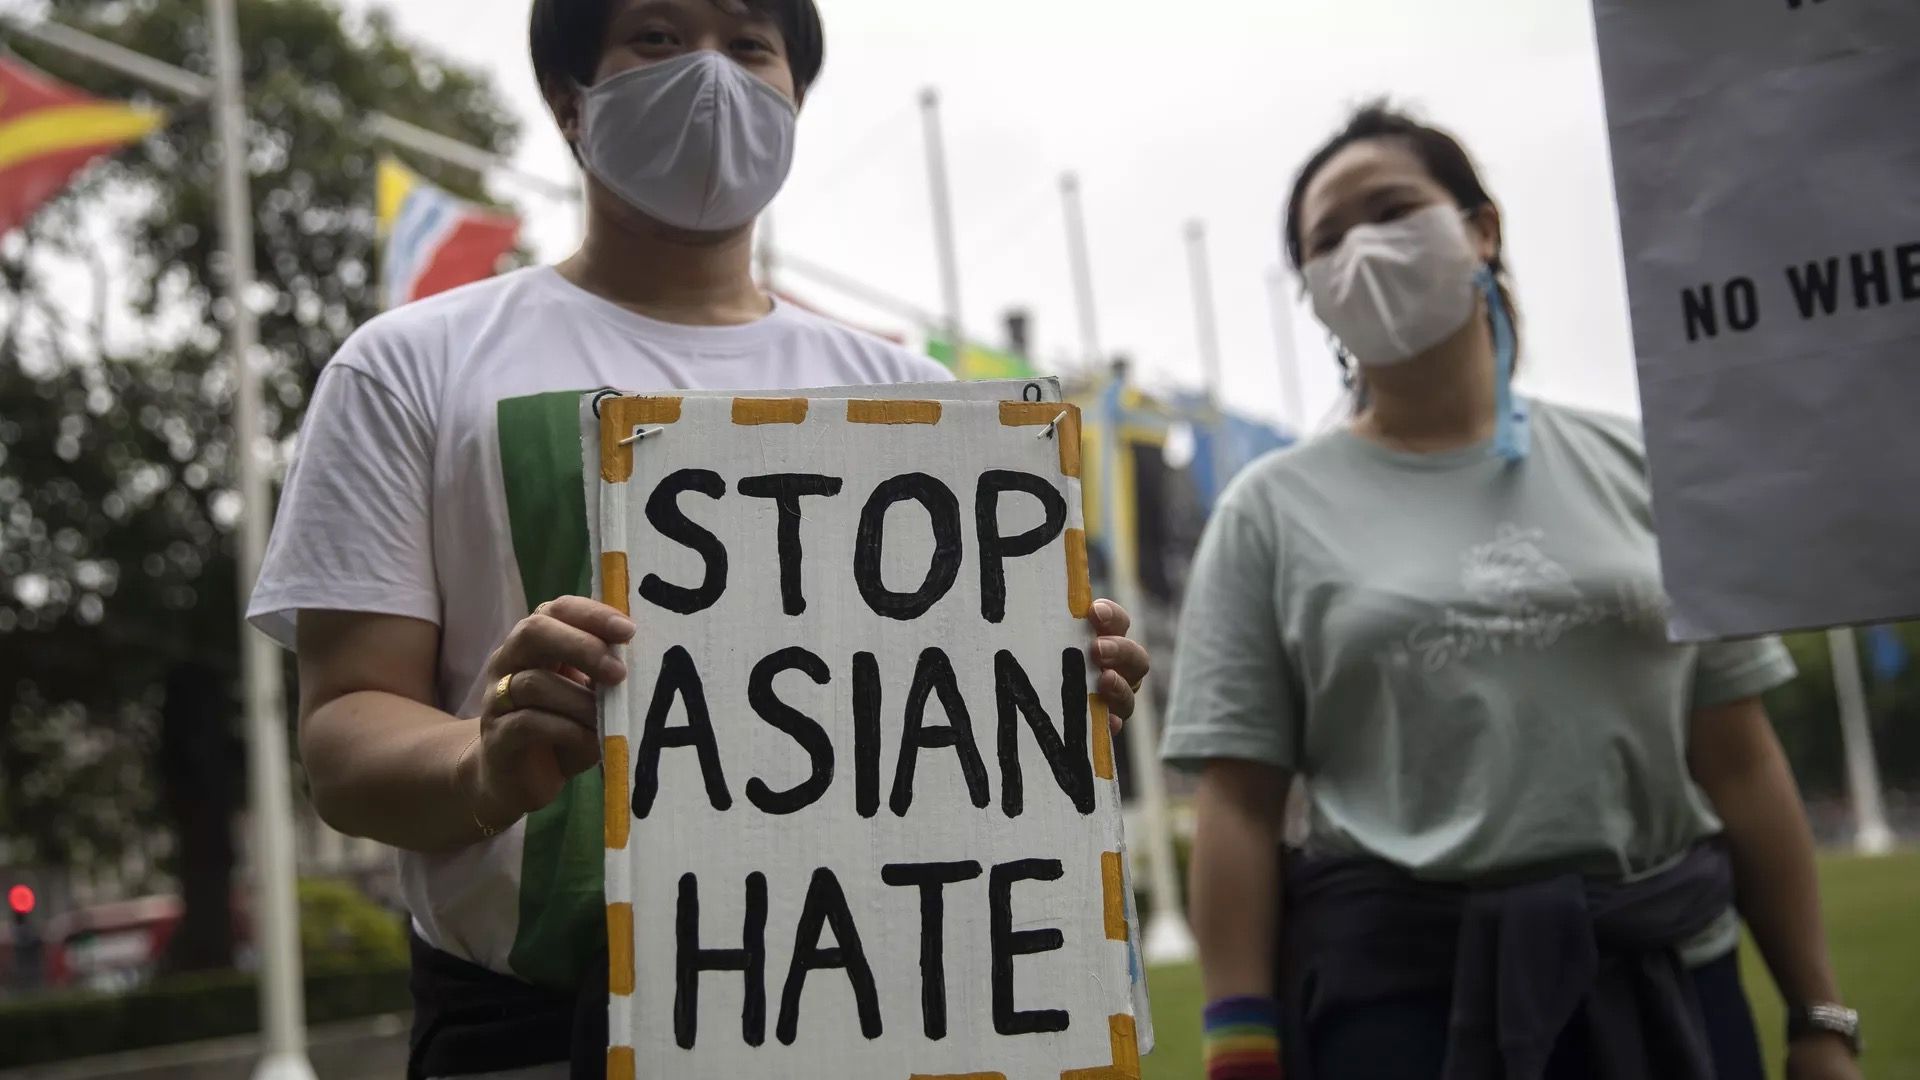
point(1895, 705)
point(117, 500)
point(1806, 713)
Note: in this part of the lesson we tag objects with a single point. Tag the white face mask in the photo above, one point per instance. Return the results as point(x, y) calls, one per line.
point(696, 142)
point(1391, 292)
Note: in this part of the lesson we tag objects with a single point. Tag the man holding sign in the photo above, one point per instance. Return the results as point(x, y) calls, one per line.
point(431, 559)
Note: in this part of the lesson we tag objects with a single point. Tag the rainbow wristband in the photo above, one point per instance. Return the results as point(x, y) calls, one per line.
point(1243, 1039)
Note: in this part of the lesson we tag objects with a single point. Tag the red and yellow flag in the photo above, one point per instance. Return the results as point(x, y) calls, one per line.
point(49, 131)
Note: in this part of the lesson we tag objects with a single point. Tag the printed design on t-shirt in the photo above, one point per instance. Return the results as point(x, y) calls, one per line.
point(1518, 597)
point(1512, 574)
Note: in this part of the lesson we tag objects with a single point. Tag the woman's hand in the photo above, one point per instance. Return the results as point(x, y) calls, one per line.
point(1123, 663)
point(540, 727)
point(1821, 1057)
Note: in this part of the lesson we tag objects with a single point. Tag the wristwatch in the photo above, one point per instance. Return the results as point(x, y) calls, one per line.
point(1825, 1019)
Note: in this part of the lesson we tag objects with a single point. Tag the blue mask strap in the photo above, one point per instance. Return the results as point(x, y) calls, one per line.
point(1513, 436)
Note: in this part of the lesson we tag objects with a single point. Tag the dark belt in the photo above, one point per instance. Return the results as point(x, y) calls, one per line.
point(1520, 962)
point(469, 1020)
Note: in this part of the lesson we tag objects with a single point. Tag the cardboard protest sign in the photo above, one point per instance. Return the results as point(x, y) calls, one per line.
point(861, 816)
point(1044, 388)
point(1765, 154)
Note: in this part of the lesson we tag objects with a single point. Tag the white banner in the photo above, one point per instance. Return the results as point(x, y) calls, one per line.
point(862, 815)
point(1767, 160)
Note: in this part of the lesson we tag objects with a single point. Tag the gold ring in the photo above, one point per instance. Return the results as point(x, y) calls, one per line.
point(503, 696)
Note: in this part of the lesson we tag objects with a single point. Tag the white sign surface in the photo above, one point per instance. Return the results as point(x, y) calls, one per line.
point(862, 820)
point(1766, 155)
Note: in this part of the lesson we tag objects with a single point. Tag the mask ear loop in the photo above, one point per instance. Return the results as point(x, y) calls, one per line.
point(1349, 374)
point(1513, 434)
point(1348, 377)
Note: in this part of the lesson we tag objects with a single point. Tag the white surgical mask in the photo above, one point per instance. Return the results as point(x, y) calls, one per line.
point(696, 142)
point(1391, 292)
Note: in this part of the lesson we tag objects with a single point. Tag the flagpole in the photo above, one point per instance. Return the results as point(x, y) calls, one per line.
point(1082, 263)
point(454, 152)
point(1872, 836)
point(1206, 326)
point(155, 73)
point(196, 87)
point(1205, 318)
point(1287, 351)
point(943, 221)
point(858, 290)
point(1166, 938)
point(276, 918)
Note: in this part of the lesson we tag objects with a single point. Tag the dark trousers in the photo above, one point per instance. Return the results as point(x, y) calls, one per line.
point(468, 1020)
point(1406, 1038)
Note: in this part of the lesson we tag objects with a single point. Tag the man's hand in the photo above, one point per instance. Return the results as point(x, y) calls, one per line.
point(1123, 663)
point(1821, 1057)
point(540, 728)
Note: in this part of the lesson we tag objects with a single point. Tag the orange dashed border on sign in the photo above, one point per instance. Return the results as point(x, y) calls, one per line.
point(926, 413)
point(1043, 414)
point(616, 766)
point(619, 419)
point(1065, 420)
point(1102, 737)
point(614, 582)
point(1126, 1054)
point(620, 975)
point(753, 412)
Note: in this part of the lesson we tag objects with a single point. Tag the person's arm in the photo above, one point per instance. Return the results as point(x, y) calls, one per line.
point(1235, 901)
point(1234, 877)
point(1736, 759)
point(1235, 718)
point(385, 764)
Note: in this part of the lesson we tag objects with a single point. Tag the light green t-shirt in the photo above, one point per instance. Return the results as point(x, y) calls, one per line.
point(1466, 661)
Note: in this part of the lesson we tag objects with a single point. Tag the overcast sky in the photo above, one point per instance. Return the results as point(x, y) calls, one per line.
point(1168, 112)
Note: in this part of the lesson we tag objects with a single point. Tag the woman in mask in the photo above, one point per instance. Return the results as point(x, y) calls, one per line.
point(431, 527)
point(1535, 826)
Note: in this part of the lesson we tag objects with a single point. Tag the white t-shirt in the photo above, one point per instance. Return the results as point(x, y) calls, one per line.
point(439, 477)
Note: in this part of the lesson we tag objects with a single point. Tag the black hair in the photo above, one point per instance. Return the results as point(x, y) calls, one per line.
point(1445, 159)
point(568, 36)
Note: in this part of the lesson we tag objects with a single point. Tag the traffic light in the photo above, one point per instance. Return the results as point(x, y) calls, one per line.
point(27, 953)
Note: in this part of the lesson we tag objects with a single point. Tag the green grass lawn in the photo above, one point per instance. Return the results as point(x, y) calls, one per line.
point(1873, 915)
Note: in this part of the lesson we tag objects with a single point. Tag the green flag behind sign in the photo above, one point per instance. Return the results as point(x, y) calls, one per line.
point(977, 362)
